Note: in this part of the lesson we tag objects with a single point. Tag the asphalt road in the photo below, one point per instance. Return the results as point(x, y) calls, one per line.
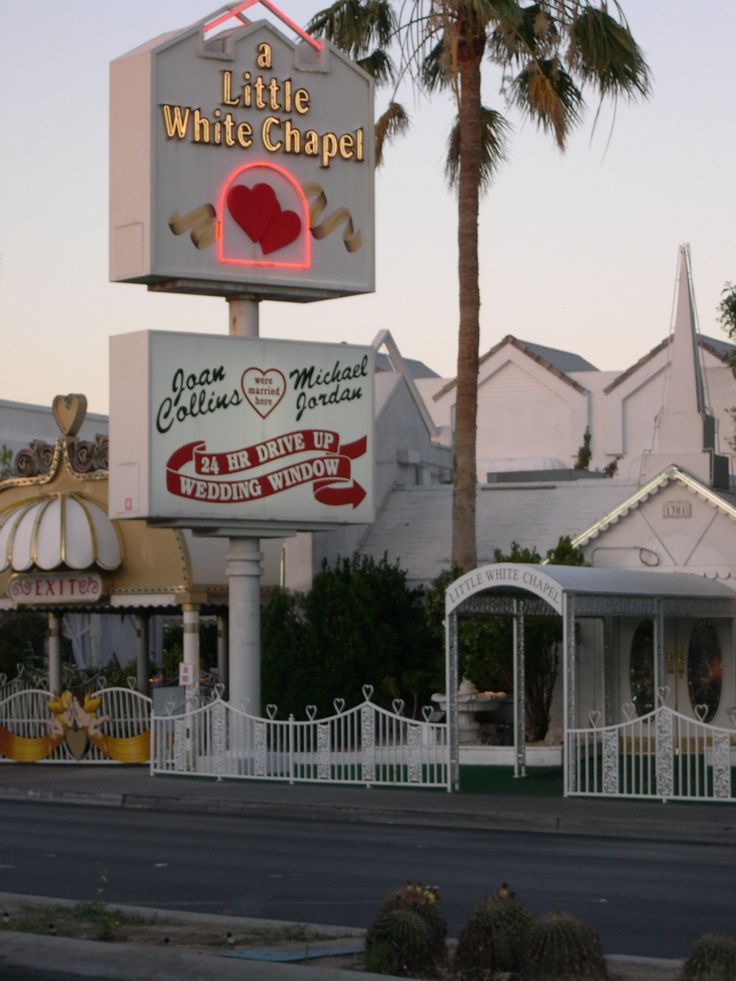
point(644, 898)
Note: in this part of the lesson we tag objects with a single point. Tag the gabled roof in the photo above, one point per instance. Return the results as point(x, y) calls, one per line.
point(547, 357)
point(719, 349)
point(725, 503)
point(416, 369)
point(563, 360)
point(414, 527)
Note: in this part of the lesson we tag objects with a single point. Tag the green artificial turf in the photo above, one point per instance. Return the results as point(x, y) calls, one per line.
point(540, 781)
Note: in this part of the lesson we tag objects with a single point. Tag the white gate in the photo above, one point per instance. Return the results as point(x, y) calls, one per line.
point(363, 745)
point(103, 726)
point(663, 755)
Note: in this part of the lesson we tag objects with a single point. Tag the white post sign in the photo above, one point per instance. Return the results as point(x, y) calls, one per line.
point(241, 160)
point(230, 430)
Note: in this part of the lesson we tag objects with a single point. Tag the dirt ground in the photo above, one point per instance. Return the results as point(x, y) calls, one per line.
point(96, 921)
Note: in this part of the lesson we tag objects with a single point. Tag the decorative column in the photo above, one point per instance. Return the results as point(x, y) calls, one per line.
point(222, 665)
point(244, 567)
point(611, 658)
point(569, 694)
point(141, 653)
point(244, 582)
point(661, 690)
point(519, 696)
point(451, 685)
point(55, 653)
point(191, 642)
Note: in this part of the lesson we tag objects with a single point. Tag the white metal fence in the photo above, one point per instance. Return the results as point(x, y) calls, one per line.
point(9, 687)
point(663, 755)
point(103, 726)
point(363, 745)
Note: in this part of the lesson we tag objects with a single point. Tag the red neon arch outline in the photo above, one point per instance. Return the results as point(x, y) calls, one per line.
point(237, 9)
point(221, 209)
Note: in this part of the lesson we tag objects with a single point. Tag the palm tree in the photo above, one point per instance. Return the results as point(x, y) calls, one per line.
point(548, 52)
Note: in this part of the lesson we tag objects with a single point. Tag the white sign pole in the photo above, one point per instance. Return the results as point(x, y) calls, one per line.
point(244, 571)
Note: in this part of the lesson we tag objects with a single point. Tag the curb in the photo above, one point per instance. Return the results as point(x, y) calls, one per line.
point(517, 820)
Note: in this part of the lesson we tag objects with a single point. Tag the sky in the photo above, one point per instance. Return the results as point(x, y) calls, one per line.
point(577, 250)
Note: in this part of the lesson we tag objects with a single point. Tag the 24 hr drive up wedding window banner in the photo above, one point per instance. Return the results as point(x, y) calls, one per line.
point(227, 430)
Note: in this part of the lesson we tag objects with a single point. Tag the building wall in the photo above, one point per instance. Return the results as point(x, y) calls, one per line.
point(20, 423)
point(528, 413)
point(521, 416)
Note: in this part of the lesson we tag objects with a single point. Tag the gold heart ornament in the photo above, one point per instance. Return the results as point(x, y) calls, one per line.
point(76, 740)
point(69, 412)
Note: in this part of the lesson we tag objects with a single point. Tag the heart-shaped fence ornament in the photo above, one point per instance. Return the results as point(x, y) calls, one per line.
point(131, 682)
point(271, 710)
point(311, 711)
point(701, 712)
point(339, 704)
point(368, 692)
point(663, 693)
point(219, 690)
point(629, 711)
point(398, 705)
point(427, 711)
point(69, 412)
point(594, 718)
point(3, 679)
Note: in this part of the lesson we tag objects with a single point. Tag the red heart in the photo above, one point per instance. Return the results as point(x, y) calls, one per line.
point(253, 208)
point(282, 229)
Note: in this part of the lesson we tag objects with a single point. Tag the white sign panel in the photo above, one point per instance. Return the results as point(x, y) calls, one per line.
point(241, 162)
point(219, 429)
point(56, 587)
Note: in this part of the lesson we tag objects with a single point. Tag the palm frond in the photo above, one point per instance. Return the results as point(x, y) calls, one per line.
point(355, 26)
point(526, 32)
point(433, 71)
point(545, 92)
point(495, 131)
point(390, 124)
point(379, 66)
point(603, 52)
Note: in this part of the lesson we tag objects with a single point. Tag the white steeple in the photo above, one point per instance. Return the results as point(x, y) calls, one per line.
point(684, 430)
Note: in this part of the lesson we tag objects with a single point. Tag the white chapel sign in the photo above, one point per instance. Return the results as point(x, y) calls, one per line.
point(241, 160)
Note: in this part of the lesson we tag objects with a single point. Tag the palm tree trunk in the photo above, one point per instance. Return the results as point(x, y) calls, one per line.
point(466, 405)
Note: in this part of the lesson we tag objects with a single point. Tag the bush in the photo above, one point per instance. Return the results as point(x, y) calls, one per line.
point(22, 640)
point(495, 938)
point(712, 958)
point(566, 949)
point(408, 938)
point(360, 624)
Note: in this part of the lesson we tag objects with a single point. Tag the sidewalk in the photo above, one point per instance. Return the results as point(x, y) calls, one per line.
point(134, 788)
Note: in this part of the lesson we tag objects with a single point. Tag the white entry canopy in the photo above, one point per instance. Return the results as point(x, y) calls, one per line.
point(552, 582)
point(571, 592)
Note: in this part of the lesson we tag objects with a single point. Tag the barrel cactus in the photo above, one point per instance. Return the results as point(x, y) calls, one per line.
point(712, 958)
point(564, 948)
point(495, 938)
point(408, 935)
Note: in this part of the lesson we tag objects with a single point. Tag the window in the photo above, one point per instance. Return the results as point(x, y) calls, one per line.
point(704, 669)
point(641, 667)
